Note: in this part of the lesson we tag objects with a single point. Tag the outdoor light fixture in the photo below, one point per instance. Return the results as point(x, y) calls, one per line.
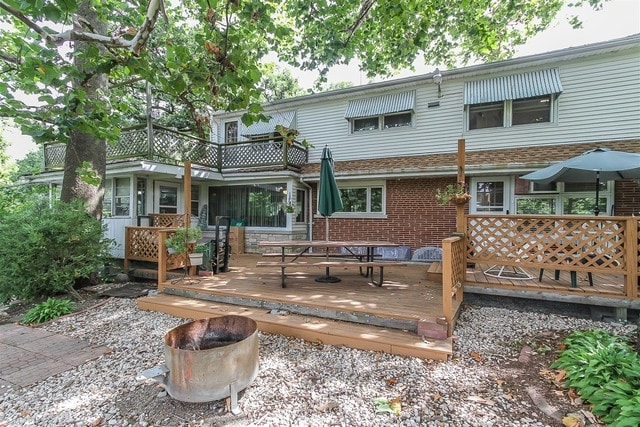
point(437, 79)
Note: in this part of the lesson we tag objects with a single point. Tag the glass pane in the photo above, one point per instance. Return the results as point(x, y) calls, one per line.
point(532, 110)
point(195, 200)
point(583, 205)
point(301, 205)
point(141, 196)
point(168, 196)
point(231, 132)
point(397, 120)
point(108, 195)
point(370, 123)
point(536, 206)
point(122, 186)
point(584, 186)
point(486, 115)
point(122, 196)
point(490, 196)
point(550, 187)
point(354, 199)
point(376, 199)
point(259, 205)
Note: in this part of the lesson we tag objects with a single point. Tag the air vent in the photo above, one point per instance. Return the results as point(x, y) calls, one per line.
point(433, 104)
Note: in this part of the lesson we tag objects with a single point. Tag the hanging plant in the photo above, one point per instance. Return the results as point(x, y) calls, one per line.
point(457, 193)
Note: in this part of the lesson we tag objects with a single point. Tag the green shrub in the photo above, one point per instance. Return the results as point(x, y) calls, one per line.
point(43, 250)
point(50, 309)
point(605, 370)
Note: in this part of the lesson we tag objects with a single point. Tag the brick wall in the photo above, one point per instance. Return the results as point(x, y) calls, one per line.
point(627, 197)
point(413, 217)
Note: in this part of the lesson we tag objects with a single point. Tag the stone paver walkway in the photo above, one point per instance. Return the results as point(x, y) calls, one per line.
point(29, 355)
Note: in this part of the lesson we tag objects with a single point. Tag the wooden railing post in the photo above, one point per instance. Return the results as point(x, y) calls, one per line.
point(454, 267)
point(162, 258)
point(127, 248)
point(631, 261)
point(447, 278)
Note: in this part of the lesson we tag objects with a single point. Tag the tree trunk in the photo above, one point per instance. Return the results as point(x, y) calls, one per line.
point(82, 146)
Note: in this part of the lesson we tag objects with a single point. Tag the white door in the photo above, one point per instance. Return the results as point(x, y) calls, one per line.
point(490, 195)
point(168, 198)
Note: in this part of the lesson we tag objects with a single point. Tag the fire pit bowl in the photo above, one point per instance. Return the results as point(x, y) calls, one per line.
point(211, 359)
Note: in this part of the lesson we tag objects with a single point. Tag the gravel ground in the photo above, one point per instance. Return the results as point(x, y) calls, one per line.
point(302, 384)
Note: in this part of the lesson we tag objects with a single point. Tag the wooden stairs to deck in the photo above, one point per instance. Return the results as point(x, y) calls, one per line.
point(313, 329)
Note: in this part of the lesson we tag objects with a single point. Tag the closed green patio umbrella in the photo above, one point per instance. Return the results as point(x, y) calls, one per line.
point(329, 200)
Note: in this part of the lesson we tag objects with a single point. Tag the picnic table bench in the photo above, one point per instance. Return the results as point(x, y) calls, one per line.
point(327, 264)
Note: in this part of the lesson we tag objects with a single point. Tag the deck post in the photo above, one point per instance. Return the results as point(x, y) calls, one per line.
point(127, 246)
point(460, 217)
point(162, 258)
point(631, 257)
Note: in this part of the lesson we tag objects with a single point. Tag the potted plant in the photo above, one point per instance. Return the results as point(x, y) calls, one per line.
point(178, 242)
point(457, 193)
point(197, 256)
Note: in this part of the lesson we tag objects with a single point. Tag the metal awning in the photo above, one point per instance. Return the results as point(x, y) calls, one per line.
point(384, 104)
point(267, 128)
point(517, 86)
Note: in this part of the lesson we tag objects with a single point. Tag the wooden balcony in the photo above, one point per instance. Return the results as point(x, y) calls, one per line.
point(168, 146)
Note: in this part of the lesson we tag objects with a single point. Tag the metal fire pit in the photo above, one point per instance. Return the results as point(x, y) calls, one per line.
point(209, 359)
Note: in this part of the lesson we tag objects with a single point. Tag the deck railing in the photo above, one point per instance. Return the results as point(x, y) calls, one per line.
point(596, 244)
point(147, 244)
point(454, 266)
point(171, 147)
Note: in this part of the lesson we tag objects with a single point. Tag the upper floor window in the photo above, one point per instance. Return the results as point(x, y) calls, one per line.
point(531, 110)
point(231, 132)
point(381, 112)
point(512, 100)
point(489, 115)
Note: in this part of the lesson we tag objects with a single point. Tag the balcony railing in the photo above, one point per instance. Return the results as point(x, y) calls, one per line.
point(171, 147)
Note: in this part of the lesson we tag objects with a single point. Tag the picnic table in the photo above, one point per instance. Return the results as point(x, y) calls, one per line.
point(301, 249)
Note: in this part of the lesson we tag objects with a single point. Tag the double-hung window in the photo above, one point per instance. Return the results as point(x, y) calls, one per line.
point(513, 100)
point(117, 197)
point(381, 112)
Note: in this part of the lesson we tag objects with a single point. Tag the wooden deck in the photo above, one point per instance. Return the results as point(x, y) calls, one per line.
point(353, 312)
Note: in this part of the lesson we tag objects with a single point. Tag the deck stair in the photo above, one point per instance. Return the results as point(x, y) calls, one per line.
point(310, 328)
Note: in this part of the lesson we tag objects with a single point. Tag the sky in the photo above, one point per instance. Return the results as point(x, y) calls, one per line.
point(617, 19)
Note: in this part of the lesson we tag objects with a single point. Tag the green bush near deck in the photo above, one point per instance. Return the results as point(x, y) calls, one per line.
point(43, 250)
point(605, 370)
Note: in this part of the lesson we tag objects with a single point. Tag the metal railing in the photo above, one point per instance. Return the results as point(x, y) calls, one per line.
point(172, 147)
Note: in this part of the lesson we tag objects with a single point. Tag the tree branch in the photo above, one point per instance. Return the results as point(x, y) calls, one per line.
point(364, 11)
point(134, 45)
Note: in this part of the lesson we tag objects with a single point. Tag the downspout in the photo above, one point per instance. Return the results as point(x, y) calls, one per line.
point(310, 223)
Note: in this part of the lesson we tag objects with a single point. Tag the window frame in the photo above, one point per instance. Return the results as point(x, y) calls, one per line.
point(561, 194)
point(368, 186)
point(111, 199)
point(381, 122)
point(226, 125)
point(507, 119)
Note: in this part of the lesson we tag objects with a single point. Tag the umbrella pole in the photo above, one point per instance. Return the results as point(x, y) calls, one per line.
point(596, 210)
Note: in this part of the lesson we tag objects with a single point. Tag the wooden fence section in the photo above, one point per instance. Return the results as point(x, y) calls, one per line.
point(168, 146)
point(454, 267)
point(167, 220)
point(147, 244)
point(597, 244)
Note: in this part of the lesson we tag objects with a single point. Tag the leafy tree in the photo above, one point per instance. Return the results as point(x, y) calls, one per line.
point(72, 55)
point(279, 83)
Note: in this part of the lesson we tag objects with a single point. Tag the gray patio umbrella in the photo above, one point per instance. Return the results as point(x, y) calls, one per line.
point(593, 165)
point(329, 200)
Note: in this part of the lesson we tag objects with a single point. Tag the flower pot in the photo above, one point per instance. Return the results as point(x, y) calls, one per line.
point(196, 258)
point(460, 199)
point(171, 251)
